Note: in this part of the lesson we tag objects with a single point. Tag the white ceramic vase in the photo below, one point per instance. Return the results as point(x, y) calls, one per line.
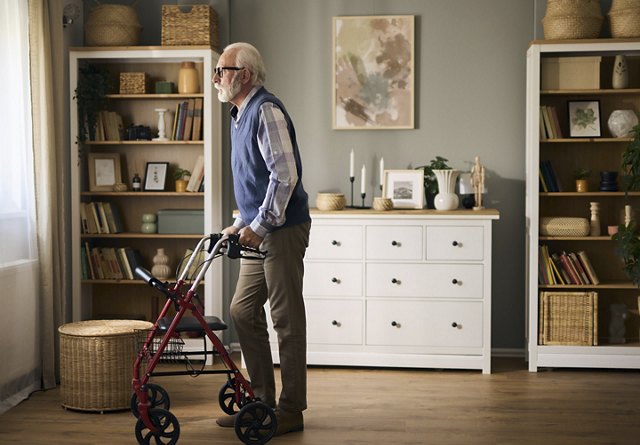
point(161, 269)
point(620, 77)
point(446, 199)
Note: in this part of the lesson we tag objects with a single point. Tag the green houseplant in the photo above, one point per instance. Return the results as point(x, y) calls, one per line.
point(182, 177)
point(94, 83)
point(631, 163)
point(628, 248)
point(430, 181)
point(581, 175)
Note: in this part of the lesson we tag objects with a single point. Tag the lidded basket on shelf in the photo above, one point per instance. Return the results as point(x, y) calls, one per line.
point(112, 25)
point(572, 19)
point(624, 18)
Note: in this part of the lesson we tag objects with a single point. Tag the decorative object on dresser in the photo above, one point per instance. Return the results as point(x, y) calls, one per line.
point(382, 204)
point(430, 181)
point(155, 176)
point(404, 188)
point(402, 289)
point(624, 18)
point(330, 201)
point(477, 181)
point(446, 199)
point(373, 72)
point(112, 25)
point(584, 118)
point(581, 176)
point(621, 123)
point(572, 19)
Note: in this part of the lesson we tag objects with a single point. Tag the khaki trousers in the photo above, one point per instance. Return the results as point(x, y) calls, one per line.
point(278, 279)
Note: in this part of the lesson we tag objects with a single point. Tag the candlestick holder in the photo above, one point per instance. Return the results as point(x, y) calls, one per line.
point(161, 125)
point(352, 179)
point(363, 195)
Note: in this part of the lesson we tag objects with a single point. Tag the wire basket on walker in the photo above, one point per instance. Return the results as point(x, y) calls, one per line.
point(255, 422)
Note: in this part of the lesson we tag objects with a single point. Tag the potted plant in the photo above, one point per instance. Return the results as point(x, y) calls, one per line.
point(94, 83)
point(628, 248)
point(581, 175)
point(430, 181)
point(631, 163)
point(182, 177)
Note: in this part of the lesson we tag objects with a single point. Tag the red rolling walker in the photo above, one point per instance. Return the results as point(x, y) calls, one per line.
point(255, 421)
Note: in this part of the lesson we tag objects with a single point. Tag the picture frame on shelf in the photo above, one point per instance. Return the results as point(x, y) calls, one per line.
point(104, 171)
point(155, 176)
point(584, 118)
point(405, 188)
point(373, 72)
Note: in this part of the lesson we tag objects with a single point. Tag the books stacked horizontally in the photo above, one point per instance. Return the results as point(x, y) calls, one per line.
point(549, 123)
point(100, 217)
point(109, 263)
point(565, 268)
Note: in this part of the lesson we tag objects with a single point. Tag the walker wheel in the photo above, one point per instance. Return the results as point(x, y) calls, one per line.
point(158, 397)
point(227, 397)
point(168, 428)
point(256, 423)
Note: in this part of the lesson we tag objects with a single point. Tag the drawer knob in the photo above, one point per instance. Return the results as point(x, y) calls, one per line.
point(456, 244)
point(395, 324)
point(455, 281)
point(335, 243)
point(335, 280)
point(454, 325)
point(395, 243)
point(395, 281)
point(335, 323)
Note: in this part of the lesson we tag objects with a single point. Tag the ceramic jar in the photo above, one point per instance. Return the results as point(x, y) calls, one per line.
point(188, 81)
point(446, 199)
point(161, 269)
point(620, 76)
point(621, 122)
point(149, 223)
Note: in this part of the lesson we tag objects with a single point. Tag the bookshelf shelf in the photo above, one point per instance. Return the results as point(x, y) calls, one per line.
point(92, 293)
point(554, 161)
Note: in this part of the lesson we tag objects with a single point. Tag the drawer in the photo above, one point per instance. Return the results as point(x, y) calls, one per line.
point(332, 279)
point(425, 280)
point(455, 243)
point(424, 323)
point(335, 242)
point(334, 322)
point(394, 242)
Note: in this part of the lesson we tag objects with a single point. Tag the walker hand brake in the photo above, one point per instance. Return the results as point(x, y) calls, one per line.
point(153, 281)
point(236, 250)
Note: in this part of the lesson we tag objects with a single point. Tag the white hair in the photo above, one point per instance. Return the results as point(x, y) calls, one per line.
point(249, 57)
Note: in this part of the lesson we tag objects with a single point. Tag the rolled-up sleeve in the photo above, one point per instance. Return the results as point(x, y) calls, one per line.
point(276, 148)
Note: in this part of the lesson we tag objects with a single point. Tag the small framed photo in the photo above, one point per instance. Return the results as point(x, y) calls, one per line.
point(405, 188)
point(104, 171)
point(584, 119)
point(155, 176)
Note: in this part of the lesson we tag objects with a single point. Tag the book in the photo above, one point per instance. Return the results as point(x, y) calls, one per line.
point(90, 261)
point(543, 184)
point(563, 276)
point(175, 123)
point(114, 220)
point(588, 268)
point(573, 274)
point(195, 266)
point(581, 272)
point(556, 122)
point(196, 133)
point(134, 260)
point(104, 224)
point(126, 267)
point(547, 123)
point(188, 125)
point(196, 174)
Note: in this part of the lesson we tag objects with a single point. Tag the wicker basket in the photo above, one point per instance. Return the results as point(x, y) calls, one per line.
point(96, 362)
point(189, 25)
point(134, 83)
point(330, 201)
point(617, 5)
point(572, 19)
point(624, 23)
point(112, 25)
point(568, 318)
point(564, 226)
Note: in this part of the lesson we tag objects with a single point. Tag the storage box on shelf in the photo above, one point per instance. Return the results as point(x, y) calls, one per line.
point(117, 293)
point(410, 289)
point(565, 155)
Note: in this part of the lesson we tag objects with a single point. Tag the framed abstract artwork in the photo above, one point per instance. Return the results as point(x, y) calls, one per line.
point(373, 72)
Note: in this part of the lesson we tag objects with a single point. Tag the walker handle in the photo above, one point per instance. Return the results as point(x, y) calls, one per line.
point(153, 281)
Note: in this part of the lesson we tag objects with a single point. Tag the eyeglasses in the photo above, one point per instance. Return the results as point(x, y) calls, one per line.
point(219, 71)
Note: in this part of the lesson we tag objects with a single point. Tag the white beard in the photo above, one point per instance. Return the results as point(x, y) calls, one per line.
point(226, 94)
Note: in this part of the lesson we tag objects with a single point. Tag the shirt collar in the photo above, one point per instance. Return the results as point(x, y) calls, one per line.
point(236, 112)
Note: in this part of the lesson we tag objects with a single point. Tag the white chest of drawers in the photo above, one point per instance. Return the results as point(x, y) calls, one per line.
point(400, 288)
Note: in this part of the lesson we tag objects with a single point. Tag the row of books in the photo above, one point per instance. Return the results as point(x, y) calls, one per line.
point(187, 121)
point(197, 176)
point(549, 123)
point(565, 268)
point(109, 126)
point(109, 263)
point(100, 217)
point(549, 181)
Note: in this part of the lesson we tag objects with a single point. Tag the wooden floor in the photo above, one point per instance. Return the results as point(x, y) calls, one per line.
point(381, 406)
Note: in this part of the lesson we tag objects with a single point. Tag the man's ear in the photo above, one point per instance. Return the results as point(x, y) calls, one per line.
point(246, 76)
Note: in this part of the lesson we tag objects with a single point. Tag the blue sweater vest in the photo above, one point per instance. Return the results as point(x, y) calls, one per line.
point(250, 173)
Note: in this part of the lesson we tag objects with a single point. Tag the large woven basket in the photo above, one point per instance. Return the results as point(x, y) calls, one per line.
point(189, 25)
point(572, 19)
point(568, 318)
point(624, 23)
point(564, 226)
point(96, 363)
point(112, 25)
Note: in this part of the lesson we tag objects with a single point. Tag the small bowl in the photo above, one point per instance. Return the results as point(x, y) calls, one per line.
point(382, 203)
point(330, 201)
point(612, 230)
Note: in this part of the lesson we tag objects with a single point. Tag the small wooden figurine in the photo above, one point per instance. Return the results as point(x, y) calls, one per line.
point(477, 181)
